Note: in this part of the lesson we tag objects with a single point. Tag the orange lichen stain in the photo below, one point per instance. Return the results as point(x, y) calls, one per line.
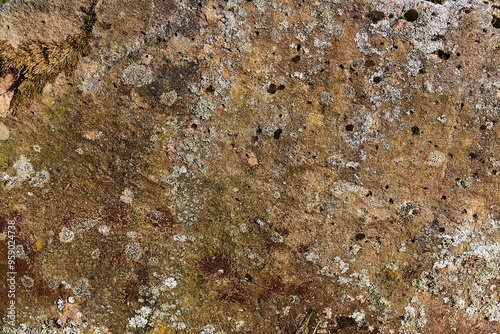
point(162, 329)
point(392, 274)
point(38, 245)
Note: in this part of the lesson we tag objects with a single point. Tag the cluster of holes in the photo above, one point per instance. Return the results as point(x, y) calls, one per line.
point(273, 88)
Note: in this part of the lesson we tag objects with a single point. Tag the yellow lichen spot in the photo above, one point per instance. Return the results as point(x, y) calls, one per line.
point(38, 245)
point(314, 119)
point(392, 273)
point(161, 328)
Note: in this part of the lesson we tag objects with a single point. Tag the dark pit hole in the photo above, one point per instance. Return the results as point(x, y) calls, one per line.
point(143, 33)
point(359, 236)
point(258, 131)
point(349, 127)
point(415, 130)
point(369, 63)
point(376, 16)
point(257, 33)
point(443, 197)
point(441, 230)
point(296, 59)
point(299, 47)
point(482, 127)
point(277, 134)
point(369, 193)
point(210, 89)
point(495, 21)
point(474, 216)
point(194, 126)
point(309, 102)
point(494, 172)
point(271, 89)
point(411, 15)
point(391, 201)
point(473, 155)
point(443, 55)
point(248, 278)
point(421, 71)
point(386, 186)
point(341, 66)
point(377, 79)
point(391, 16)
point(281, 87)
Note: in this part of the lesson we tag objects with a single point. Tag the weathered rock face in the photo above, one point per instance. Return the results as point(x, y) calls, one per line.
point(250, 166)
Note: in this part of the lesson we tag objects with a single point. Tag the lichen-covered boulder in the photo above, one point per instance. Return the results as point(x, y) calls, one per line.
point(253, 166)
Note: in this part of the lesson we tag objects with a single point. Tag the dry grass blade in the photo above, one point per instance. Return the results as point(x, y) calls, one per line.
point(35, 63)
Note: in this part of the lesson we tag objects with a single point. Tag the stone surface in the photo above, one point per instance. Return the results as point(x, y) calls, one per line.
point(250, 166)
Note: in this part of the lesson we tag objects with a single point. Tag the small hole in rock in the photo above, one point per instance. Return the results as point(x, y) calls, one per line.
point(271, 89)
point(443, 55)
point(411, 15)
point(359, 236)
point(376, 16)
point(349, 127)
point(473, 155)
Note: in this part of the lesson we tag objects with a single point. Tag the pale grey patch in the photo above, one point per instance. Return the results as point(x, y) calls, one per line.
point(137, 75)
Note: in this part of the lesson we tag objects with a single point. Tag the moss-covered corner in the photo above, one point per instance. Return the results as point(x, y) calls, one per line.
point(35, 63)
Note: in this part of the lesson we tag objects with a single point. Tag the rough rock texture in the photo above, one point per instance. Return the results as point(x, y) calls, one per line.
point(179, 166)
